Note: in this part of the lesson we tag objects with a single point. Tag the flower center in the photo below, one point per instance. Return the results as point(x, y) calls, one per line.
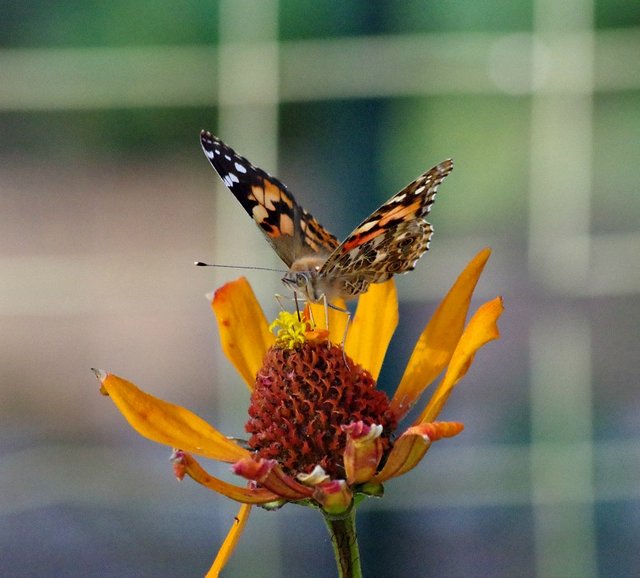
point(301, 398)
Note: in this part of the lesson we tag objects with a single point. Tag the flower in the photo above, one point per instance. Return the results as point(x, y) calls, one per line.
point(321, 431)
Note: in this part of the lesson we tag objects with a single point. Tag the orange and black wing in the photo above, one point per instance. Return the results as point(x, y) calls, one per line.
point(391, 240)
point(292, 231)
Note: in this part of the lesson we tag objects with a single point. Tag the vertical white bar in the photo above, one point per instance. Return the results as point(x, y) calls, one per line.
point(561, 144)
point(248, 120)
point(561, 449)
point(559, 258)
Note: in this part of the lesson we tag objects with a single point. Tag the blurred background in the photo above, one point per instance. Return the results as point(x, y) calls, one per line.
point(106, 200)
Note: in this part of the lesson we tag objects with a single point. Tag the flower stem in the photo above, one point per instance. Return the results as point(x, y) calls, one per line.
point(342, 530)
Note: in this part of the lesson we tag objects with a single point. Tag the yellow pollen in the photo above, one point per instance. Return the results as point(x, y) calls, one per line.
point(289, 330)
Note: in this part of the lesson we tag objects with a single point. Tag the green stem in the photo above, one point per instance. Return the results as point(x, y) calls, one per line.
point(342, 530)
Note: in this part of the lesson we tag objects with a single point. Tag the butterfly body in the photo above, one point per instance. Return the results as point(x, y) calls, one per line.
point(388, 242)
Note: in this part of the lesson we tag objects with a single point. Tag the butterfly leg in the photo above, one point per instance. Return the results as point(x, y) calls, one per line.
point(346, 327)
point(326, 304)
point(279, 299)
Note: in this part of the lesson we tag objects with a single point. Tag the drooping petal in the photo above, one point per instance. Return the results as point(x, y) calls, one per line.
point(481, 329)
point(230, 542)
point(190, 467)
point(412, 445)
point(270, 475)
point(167, 423)
point(439, 339)
point(337, 317)
point(244, 331)
point(372, 326)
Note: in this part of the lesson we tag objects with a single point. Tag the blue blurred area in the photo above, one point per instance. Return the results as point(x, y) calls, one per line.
point(106, 200)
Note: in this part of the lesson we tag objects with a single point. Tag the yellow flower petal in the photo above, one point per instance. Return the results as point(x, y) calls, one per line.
point(337, 318)
point(481, 329)
point(230, 542)
point(372, 326)
point(196, 472)
point(439, 339)
point(166, 423)
point(244, 331)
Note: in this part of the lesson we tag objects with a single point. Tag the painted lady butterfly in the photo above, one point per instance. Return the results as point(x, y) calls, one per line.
point(390, 241)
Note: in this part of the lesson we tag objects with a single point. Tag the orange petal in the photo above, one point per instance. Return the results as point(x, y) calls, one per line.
point(196, 472)
point(337, 317)
point(244, 331)
point(439, 339)
point(166, 423)
point(412, 445)
point(481, 329)
point(230, 542)
point(372, 326)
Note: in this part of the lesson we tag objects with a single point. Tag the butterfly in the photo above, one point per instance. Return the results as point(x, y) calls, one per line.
point(388, 242)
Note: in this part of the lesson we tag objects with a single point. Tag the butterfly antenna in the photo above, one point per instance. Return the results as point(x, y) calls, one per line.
point(202, 264)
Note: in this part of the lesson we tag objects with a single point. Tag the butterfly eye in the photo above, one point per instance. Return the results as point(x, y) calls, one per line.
point(301, 280)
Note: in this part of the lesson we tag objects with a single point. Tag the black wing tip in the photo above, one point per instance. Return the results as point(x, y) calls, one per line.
point(208, 137)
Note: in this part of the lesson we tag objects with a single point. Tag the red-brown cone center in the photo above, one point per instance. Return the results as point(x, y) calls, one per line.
point(301, 398)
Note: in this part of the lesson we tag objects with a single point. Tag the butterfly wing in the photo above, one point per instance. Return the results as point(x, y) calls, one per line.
point(292, 232)
point(390, 241)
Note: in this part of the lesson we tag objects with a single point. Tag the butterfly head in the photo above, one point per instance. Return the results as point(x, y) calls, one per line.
point(304, 277)
point(302, 282)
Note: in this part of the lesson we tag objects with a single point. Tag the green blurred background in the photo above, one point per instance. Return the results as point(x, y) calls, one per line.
point(106, 200)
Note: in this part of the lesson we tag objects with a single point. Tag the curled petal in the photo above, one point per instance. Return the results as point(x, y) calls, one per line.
point(244, 331)
point(167, 423)
point(481, 329)
point(439, 339)
point(363, 451)
point(268, 474)
point(412, 445)
point(230, 542)
point(179, 467)
point(372, 326)
point(334, 496)
point(186, 465)
point(437, 430)
point(315, 477)
point(286, 486)
point(253, 469)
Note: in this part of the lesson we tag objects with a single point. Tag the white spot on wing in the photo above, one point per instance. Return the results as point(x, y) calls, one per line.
point(364, 228)
point(240, 168)
point(209, 154)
